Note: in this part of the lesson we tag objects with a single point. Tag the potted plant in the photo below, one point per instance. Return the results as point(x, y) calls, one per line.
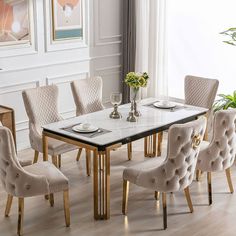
point(225, 102)
point(136, 81)
point(231, 32)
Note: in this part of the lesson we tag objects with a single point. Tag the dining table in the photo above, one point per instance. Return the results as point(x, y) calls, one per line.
point(112, 134)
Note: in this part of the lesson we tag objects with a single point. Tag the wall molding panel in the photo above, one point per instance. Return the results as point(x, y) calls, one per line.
point(102, 39)
point(13, 88)
point(67, 78)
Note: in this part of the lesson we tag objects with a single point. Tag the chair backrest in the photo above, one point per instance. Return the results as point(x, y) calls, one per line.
point(177, 172)
point(41, 105)
point(200, 92)
point(15, 180)
point(87, 95)
point(220, 153)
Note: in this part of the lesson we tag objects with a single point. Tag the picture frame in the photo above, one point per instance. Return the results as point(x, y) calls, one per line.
point(16, 23)
point(67, 20)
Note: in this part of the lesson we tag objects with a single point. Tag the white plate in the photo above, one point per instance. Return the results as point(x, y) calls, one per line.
point(79, 128)
point(164, 105)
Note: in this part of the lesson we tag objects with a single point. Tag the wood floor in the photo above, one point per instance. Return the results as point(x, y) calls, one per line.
point(144, 213)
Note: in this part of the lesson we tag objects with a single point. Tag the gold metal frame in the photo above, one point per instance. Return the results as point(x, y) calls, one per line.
point(101, 172)
point(129, 149)
point(53, 30)
point(150, 146)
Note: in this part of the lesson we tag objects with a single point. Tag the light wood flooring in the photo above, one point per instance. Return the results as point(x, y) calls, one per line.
point(144, 213)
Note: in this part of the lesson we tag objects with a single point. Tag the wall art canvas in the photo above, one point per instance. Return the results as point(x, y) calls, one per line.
point(67, 19)
point(14, 22)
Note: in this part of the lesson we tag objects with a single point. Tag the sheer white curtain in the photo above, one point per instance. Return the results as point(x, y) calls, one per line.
point(150, 45)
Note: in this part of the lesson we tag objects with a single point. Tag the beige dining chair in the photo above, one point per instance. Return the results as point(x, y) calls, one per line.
point(37, 179)
point(41, 106)
point(176, 172)
point(87, 94)
point(200, 92)
point(23, 162)
point(219, 154)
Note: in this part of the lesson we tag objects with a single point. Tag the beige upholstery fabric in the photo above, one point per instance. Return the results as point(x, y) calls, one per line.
point(31, 181)
point(42, 108)
point(177, 171)
point(200, 92)
point(219, 154)
point(56, 180)
point(25, 162)
point(87, 95)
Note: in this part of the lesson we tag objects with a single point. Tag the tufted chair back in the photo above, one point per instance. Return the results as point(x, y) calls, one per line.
point(177, 171)
point(200, 92)
point(15, 180)
point(220, 153)
point(87, 95)
point(41, 106)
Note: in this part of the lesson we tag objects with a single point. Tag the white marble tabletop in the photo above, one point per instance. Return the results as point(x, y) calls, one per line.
point(122, 131)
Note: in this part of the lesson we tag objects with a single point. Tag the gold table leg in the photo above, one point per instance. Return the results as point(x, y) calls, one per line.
point(45, 153)
point(101, 170)
point(45, 147)
point(101, 185)
point(88, 162)
point(150, 146)
point(129, 149)
point(159, 146)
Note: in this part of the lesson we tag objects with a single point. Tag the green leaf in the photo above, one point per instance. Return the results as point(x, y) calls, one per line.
point(229, 42)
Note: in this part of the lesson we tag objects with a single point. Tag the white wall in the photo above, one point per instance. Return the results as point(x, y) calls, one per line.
point(195, 45)
point(44, 63)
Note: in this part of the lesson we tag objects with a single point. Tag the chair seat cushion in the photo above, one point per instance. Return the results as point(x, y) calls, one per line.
point(56, 180)
point(25, 162)
point(132, 173)
point(55, 147)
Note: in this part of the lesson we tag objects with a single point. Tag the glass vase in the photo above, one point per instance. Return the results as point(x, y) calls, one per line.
point(135, 98)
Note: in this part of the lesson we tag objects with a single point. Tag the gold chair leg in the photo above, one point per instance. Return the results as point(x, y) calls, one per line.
point(188, 198)
point(20, 216)
point(159, 145)
point(79, 154)
point(51, 199)
point(54, 160)
point(36, 156)
point(59, 161)
point(228, 175)
point(198, 175)
point(164, 210)
point(125, 196)
point(8, 205)
point(157, 195)
point(66, 207)
point(129, 149)
point(209, 187)
point(88, 162)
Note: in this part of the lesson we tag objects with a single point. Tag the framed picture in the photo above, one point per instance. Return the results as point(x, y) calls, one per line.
point(67, 19)
point(15, 25)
